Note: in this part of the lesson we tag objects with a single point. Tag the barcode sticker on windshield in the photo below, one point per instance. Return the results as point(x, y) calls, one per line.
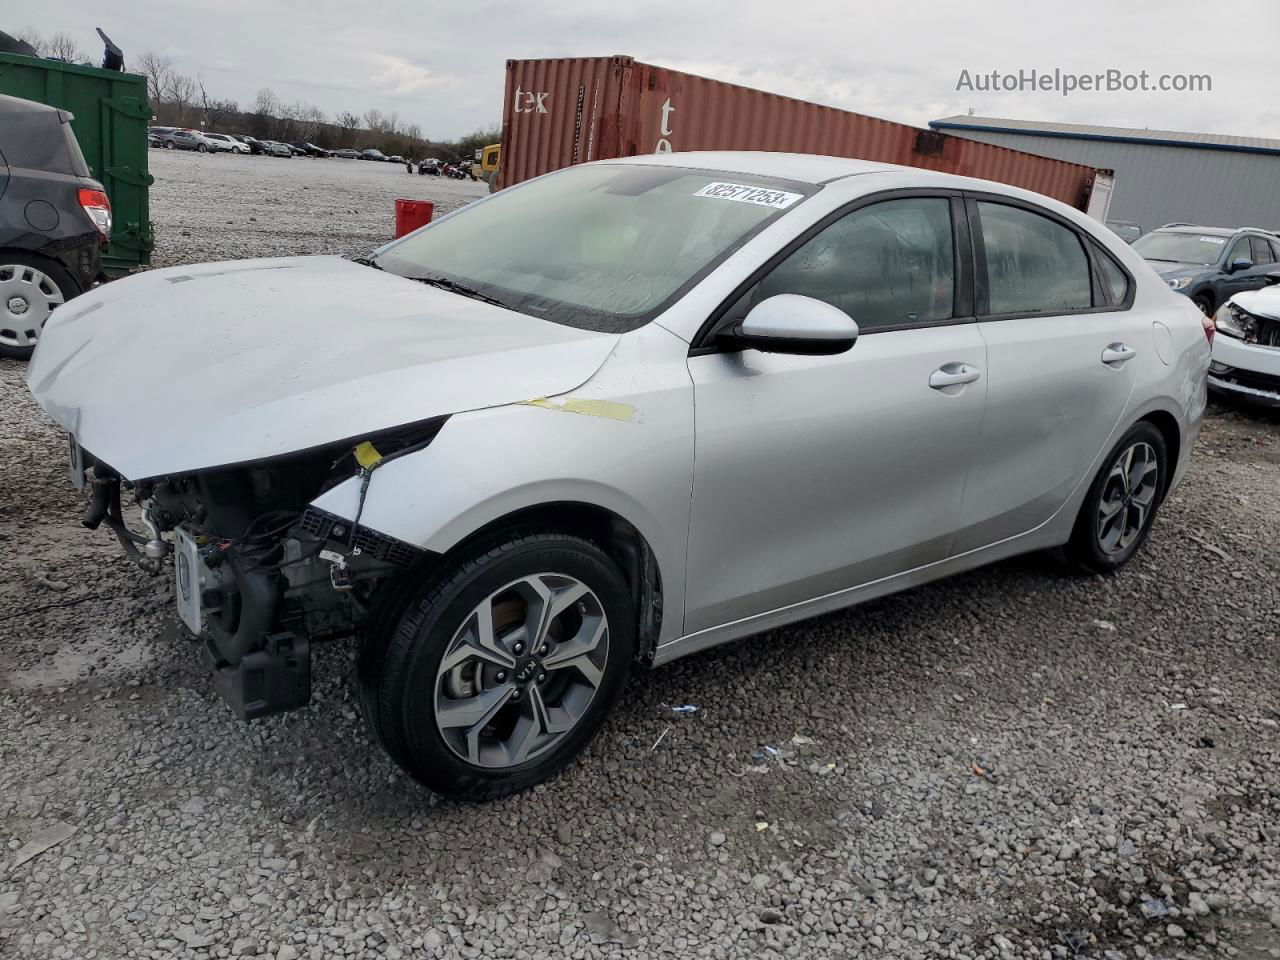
point(778, 199)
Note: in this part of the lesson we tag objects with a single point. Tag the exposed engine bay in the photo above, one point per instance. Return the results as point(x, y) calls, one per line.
point(259, 573)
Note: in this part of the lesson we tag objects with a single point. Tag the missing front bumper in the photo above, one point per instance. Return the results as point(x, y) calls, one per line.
point(274, 679)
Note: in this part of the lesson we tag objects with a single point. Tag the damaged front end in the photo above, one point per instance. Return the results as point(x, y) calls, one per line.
point(260, 574)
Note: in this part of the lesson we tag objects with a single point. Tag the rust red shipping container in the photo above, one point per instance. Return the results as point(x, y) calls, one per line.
point(566, 111)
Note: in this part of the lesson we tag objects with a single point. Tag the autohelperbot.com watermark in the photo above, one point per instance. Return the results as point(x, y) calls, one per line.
point(1067, 82)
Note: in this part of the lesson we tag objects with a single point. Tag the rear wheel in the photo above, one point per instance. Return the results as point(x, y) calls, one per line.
point(30, 289)
point(202, 148)
point(1122, 501)
point(496, 673)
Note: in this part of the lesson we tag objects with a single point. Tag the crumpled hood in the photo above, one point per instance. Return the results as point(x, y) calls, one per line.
point(1261, 303)
point(193, 367)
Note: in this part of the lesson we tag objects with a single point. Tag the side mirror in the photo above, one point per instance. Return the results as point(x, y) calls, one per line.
point(789, 323)
point(1238, 264)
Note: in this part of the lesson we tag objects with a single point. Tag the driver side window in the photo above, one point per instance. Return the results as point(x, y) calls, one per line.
point(887, 264)
point(1239, 251)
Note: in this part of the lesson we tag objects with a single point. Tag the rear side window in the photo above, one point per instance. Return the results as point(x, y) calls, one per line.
point(1261, 250)
point(1034, 265)
point(887, 264)
point(1115, 280)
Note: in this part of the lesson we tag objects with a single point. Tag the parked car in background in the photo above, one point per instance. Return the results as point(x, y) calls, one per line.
point(865, 400)
point(372, 154)
point(156, 135)
point(55, 221)
point(1246, 351)
point(183, 139)
point(1210, 264)
point(225, 143)
point(274, 148)
point(254, 145)
point(310, 149)
point(346, 153)
point(1126, 230)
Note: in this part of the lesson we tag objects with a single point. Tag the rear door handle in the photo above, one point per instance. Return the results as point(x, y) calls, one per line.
point(952, 374)
point(1118, 353)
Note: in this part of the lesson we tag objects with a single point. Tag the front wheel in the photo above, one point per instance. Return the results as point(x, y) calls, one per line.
point(1205, 303)
point(1122, 501)
point(499, 671)
point(200, 147)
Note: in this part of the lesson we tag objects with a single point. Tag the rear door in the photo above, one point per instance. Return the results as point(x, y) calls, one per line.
point(1062, 345)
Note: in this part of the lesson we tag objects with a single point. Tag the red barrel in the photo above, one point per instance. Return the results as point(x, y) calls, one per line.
point(412, 214)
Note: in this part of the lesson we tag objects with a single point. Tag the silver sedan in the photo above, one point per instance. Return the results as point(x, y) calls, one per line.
point(613, 416)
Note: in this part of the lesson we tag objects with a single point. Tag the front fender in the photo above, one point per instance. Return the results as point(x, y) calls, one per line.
point(487, 464)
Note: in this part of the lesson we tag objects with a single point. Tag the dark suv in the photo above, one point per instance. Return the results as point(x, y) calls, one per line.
point(1211, 264)
point(54, 220)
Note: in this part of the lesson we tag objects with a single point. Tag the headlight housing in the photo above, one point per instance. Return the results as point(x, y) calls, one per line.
point(1179, 283)
point(1234, 322)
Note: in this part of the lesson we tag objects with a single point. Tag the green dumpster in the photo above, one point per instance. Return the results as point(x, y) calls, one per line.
point(111, 117)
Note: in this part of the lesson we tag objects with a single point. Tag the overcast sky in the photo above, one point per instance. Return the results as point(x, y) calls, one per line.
point(441, 64)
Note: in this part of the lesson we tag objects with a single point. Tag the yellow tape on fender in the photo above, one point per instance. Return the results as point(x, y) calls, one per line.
point(608, 409)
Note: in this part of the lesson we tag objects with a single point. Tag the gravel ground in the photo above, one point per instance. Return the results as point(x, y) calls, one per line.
point(222, 207)
point(1012, 763)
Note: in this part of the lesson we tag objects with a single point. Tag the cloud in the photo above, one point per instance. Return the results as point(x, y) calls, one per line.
point(395, 77)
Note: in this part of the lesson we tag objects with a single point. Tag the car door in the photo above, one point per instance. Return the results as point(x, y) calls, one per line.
point(817, 474)
point(1240, 280)
point(1063, 347)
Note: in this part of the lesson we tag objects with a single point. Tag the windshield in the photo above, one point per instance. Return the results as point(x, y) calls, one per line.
point(1180, 247)
point(602, 248)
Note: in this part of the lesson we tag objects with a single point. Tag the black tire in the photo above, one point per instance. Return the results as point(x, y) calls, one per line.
point(168, 144)
point(201, 148)
point(65, 283)
point(1205, 302)
point(414, 625)
point(1086, 548)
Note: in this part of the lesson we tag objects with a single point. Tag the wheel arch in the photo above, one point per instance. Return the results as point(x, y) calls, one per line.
point(622, 540)
point(1167, 424)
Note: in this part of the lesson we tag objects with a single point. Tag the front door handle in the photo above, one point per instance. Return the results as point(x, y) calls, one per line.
point(953, 374)
point(1117, 353)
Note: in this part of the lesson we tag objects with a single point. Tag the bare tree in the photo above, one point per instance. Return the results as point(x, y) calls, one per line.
point(373, 121)
point(63, 46)
point(159, 73)
point(216, 112)
point(182, 94)
point(30, 35)
point(308, 118)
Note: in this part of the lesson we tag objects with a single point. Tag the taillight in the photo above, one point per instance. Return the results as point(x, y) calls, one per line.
point(98, 207)
point(1209, 328)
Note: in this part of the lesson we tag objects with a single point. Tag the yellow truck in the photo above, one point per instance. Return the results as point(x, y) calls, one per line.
point(486, 164)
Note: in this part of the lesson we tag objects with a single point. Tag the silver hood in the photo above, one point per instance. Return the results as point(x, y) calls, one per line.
point(194, 367)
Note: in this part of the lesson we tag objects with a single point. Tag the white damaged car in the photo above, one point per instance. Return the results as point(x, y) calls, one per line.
point(1246, 352)
point(616, 415)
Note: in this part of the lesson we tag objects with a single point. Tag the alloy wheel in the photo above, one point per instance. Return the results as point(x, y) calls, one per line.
point(27, 297)
point(522, 670)
point(1128, 496)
